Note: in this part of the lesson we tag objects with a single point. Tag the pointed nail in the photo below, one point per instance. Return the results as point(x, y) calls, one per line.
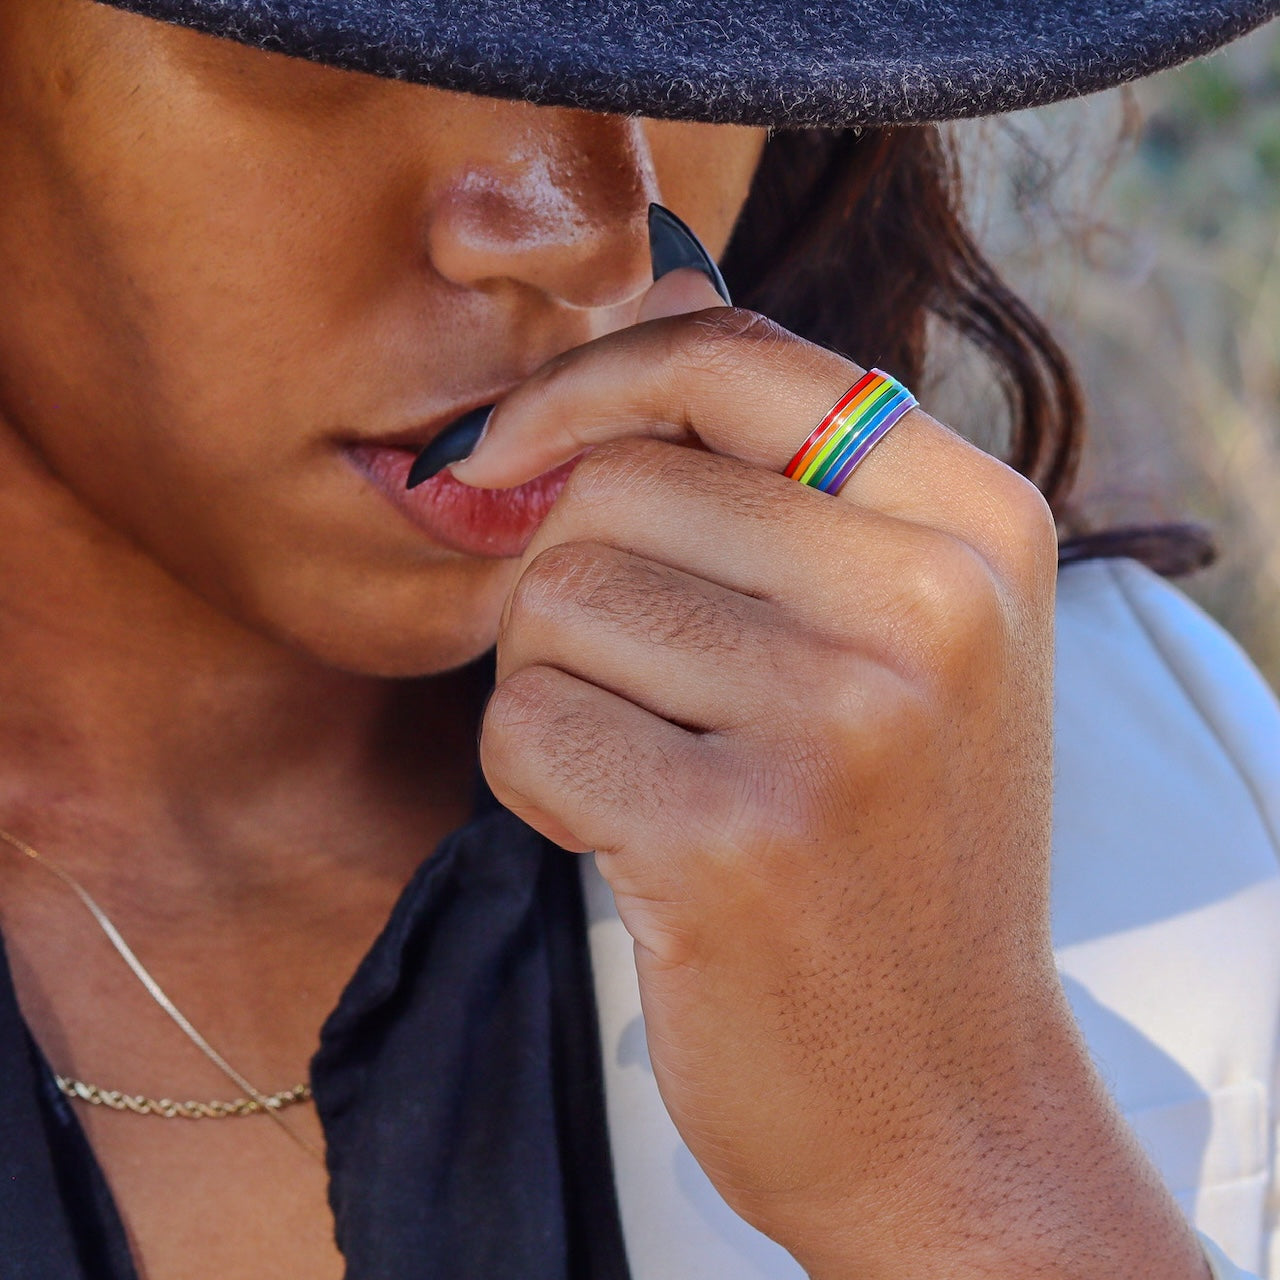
point(672, 245)
point(457, 441)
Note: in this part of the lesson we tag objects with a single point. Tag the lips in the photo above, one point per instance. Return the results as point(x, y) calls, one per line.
point(493, 523)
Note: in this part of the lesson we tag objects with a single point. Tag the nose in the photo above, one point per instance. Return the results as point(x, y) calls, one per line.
point(555, 199)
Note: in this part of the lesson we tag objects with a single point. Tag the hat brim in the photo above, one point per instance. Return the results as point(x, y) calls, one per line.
point(757, 62)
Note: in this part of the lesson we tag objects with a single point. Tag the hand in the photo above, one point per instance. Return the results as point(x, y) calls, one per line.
point(809, 739)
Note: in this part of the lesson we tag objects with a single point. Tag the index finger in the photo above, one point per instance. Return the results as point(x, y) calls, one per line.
point(714, 378)
point(736, 383)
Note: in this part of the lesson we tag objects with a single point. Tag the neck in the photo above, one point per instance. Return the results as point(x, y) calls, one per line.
point(135, 715)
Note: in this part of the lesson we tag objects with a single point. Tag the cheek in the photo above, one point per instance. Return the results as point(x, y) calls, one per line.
point(189, 322)
point(705, 172)
point(188, 268)
point(166, 292)
point(116, 336)
point(182, 356)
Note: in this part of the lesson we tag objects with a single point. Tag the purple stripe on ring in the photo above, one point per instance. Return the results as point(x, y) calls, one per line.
point(862, 449)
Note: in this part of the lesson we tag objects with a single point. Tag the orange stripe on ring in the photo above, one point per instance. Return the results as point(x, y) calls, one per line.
point(818, 437)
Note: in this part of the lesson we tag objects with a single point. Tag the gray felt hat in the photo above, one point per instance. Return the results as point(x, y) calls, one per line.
point(775, 62)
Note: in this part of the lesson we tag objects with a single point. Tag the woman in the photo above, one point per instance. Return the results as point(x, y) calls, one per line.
point(808, 733)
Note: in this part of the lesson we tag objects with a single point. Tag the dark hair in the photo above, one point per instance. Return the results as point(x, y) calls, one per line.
point(875, 216)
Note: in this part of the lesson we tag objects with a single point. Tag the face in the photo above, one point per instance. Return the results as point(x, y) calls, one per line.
point(236, 283)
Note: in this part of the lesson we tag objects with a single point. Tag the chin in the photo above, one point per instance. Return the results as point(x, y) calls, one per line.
point(388, 659)
point(406, 627)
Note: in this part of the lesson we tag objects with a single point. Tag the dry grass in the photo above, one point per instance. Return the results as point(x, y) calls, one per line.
point(1146, 224)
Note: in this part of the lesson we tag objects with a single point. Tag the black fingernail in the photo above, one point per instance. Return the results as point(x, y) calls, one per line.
point(453, 444)
point(672, 245)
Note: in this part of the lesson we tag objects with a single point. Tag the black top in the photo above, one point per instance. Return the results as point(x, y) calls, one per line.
point(458, 1081)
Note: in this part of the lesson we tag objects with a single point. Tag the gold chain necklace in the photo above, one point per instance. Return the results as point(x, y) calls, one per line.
point(170, 1110)
point(254, 1103)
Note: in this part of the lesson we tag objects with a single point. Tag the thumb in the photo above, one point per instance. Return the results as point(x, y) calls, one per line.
point(679, 292)
point(685, 275)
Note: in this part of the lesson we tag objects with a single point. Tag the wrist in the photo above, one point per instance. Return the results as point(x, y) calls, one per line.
point(1048, 1184)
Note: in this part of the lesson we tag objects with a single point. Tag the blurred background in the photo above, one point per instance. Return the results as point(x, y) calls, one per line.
point(1145, 225)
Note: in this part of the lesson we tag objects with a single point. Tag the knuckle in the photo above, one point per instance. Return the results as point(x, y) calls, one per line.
point(956, 572)
point(1023, 536)
point(555, 579)
point(1034, 532)
point(517, 716)
point(538, 733)
point(726, 336)
point(613, 472)
point(547, 374)
point(953, 604)
point(868, 721)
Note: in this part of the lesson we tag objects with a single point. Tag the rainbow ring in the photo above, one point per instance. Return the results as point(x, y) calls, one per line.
point(856, 422)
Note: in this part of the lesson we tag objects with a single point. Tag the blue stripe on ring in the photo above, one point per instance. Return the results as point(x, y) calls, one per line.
point(831, 473)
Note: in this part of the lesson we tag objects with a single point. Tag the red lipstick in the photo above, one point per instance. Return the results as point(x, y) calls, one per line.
point(495, 523)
